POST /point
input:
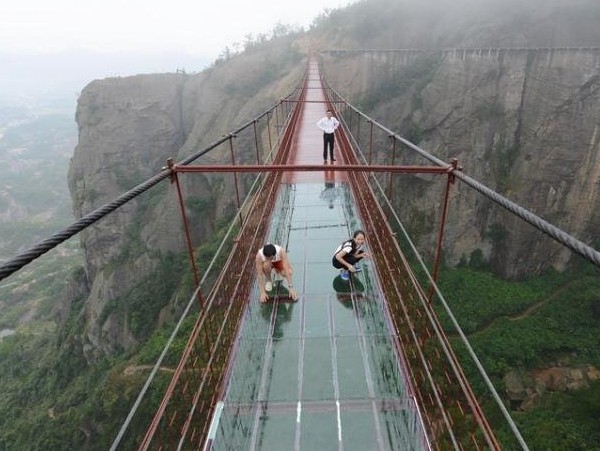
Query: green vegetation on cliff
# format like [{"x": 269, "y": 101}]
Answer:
[{"x": 548, "y": 321}]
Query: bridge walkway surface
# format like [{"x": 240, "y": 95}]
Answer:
[{"x": 322, "y": 372}]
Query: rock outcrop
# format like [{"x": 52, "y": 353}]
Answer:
[{"x": 524, "y": 390}]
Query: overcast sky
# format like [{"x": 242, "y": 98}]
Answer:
[{"x": 201, "y": 27}]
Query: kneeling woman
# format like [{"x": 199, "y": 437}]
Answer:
[{"x": 349, "y": 253}]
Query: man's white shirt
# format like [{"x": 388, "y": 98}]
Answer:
[{"x": 328, "y": 125}]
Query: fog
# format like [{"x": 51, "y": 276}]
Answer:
[{"x": 66, "y": 73}]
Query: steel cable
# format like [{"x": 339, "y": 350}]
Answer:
[{"x": 559, "y": 235}]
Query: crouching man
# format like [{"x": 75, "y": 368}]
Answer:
[{"x": 269, "y": 258}]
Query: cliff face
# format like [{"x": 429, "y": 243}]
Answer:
[
  {"x": 128, "y": 128},
  {"x": 525, "y": 123}
]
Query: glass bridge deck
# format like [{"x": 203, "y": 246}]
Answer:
[{"x": 323, "y": 372}]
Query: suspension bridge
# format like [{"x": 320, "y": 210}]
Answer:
[{"x": 356, "y": 365}]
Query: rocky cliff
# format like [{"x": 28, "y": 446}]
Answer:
[
  {"x": 128, "y": 128},
  {"x": 523, "y": 122},
  {"x": 518, "y": 106}
]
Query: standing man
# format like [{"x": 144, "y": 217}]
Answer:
[
  {"x": 328, "y": 124},
  {"x": 268, "y": 258}
]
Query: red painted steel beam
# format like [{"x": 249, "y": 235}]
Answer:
[{"x": 314, "y": 168}]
